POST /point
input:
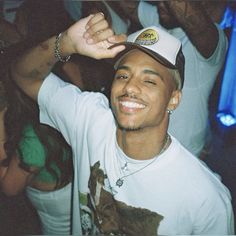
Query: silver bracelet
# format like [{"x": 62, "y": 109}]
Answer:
[{"x": 57, "y": 53}]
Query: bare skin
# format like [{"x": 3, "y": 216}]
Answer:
[
  {"x": 90, "y": 36},
  {"x": 14, "y": 179},
  {"x": 142, "y": 91},
  {"x": 194, "y": 20},
  {"x": 147, "y": 125}
]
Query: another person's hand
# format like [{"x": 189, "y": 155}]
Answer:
[{"x": 91, "y": 36}]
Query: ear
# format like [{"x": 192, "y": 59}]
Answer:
[{"x": 174, "y": 100}]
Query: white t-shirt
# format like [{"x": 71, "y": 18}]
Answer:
[
  {"x": 188, "y": 123},
  {"x": 175, "y": 194}
]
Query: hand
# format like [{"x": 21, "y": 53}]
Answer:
[{"x": 91, "y": 36}]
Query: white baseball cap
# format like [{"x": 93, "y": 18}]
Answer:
[{"x": 158, "y": 44}]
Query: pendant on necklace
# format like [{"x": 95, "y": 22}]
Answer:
[
  {"x": 125, "y": 167},
  {"x": 119, "y": 182}
]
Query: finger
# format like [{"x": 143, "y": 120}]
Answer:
[
  {"x": 95, "y": 19},
  {"x": 117, "y": 38},
  {"x": 110, "y": 53},
  {"x": 100, "y": 36},
  {"x": 96, "y": 28}
]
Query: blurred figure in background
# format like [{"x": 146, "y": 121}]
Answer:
[
  {"x": 78, "y": 9},
  {"x": 17, "y": 215},
  {"x": 31, "y": 180},
  {"x": 36, "y": 159}
]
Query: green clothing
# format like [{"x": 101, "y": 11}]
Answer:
[{"x": 33, "y": 154}]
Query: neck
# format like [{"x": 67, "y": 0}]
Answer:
[{"x": 142, "y": 144}]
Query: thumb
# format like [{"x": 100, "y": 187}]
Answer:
[{"x": 117, "y": 38}]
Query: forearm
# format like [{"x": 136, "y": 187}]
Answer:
[
  {"x": 89, "y": 36},
  {"x": 197, "y": 24},
  {"x": 33, "y": 66},
  {"x": 14, "y": 179}
]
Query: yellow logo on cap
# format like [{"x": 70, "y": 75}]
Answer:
[{"x": 147, "y": 37}]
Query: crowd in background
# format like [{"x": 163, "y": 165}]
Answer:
[{"x": 36, "y": 155}]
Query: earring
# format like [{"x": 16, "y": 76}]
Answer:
[{"x": 169, "y": 111}]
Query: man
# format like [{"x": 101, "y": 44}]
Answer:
[
  {"x": 133, "y": 177},
  {"x": 204, "y": 47}
]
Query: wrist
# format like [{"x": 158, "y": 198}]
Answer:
[{"x": 60, "y": 50}]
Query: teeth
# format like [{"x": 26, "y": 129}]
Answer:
[{"x": 132, "y": 105}]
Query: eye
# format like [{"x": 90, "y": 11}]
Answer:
[
  {"x": 121, "y": 76},
  {"x": 150, "y": 82}
]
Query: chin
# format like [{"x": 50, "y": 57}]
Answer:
[
  {"x": 129, "y": 126},
  {"x": 132, "y": 129}
]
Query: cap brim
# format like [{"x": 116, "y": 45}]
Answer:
[{"x": 129, "y": 46}]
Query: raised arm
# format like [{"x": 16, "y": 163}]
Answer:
[
  {"x": 198, "y": 25},
  {"x": 90, "y": 36}
]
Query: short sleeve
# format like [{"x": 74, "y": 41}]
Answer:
[
  {"x": 58, "y": 104},
  {"x": 31, "y": 150},
  {"x": 66, "y": 108},
  {"x": 215, "y": 216}
]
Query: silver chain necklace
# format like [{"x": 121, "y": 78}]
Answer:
[{"x": 120, "y": 181}]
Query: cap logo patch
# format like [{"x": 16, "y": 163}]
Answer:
[{"x": 147, "y": 37}]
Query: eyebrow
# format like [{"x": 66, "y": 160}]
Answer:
[
  {"x": 148, "y": 71},
  {"x": 122, "y": 67},
  {"x": 145, "y": 71}
]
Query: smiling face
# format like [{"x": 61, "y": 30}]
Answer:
[{"x": 142, "y": 91}]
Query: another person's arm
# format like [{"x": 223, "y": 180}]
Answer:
[
  {"x": 25, "y": 165},
  {"x": 197, "y": 24},
  {"x": 14, "y": 179},
  {"x": 90, "y": 36}
]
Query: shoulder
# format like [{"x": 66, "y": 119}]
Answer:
[
  {"x": 55, "y": 90},
  {"x": 217, "y": 56},
  {"x": 193, "y": 171}
]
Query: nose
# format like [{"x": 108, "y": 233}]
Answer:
[{"x": 132, "y": 86}]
